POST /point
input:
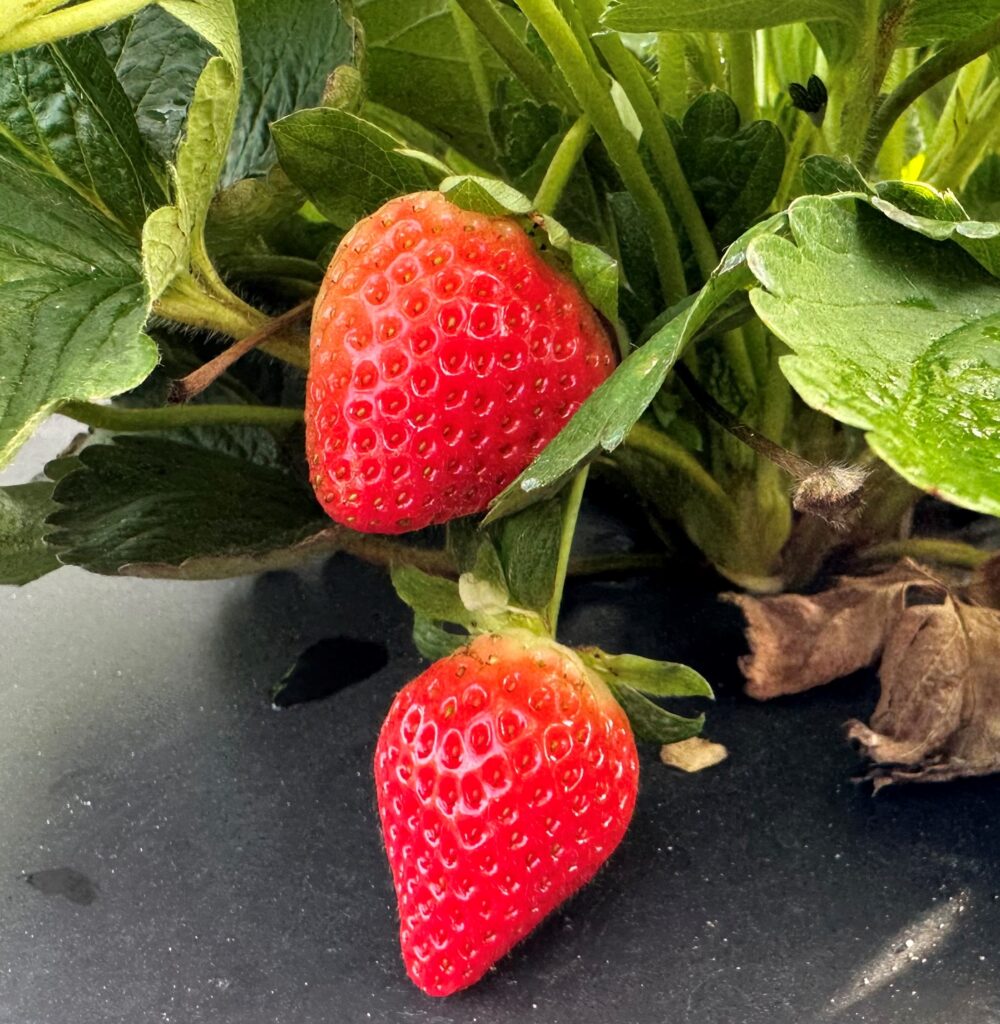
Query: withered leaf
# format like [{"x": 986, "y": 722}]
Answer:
[
  {"x": 801, "y": 641},
  {"x": 938, "y": 716},
  {"x": 984, "y": 587}
]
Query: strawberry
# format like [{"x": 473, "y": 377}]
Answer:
[
  {"x": 445, "y": 354},
  {"x": 506, "y": 775}
]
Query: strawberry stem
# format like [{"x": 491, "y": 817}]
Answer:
[
  {"x": 533, "y": 75},
  {"x": 193, "y": 301},
  {"x": 794, "y": 465},
  {"x": 926, "y": 549},
  {"x": 561, "y": 166},
  {"x": 195, "y": 382},
  {"x": 945, "y": 62},
  {"x": 571, "y": 512},
  {"x": 114, "y": 417},
  {"x": 594, "y": 97},
  {"x": 626, "y": 69},
  {"x": 738, "y": 49}
]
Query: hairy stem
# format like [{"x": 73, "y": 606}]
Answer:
[
  {"x": 187, "y": 302},
  {"x": 671, "y": 76},
  {"x": 561, "y": 166},
  {"x": 467, "y": 38},
  {"x": 945, "y": 62},
  {"x": 739, "y": 55},
  {"x": 195, "y": 382},
  {"x": 943, "y": 552},
  {"x": 595, "y": 100},
  {"x": 511, "y": 49},
  {"x": 803, "y": 132},
  {"x": 796, "y": 466},
  {"x": 69, "y": 21},
  {"x": 867, "y": 72},
  {"x": 571, "y": 512},
  {"x": 624, "y": 66},
  {"x": 172, "y": 417}
]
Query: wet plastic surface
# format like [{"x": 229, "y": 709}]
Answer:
[{"x": 172, "y": 849}]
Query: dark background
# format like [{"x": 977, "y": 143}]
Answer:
[{"x": 172, "y": 849}]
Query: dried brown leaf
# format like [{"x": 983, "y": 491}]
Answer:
[
  {"x": 801, "y": 641},
  {"x": 693, "y": 755},
  {"x": 938, "y": 716},
  {"x": 984, "y": 587}
]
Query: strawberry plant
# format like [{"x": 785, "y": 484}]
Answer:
[{"x": 313, "y": 273}]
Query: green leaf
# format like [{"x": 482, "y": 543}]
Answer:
[
  {"x": 642, "y": 299},
  {"x": 734, "y": 172},
  {"x": 650, "y": 722},
  {"x": 72, "y": 304},
  {"x": 420, "y": 64},
  {"x": 932, "y": 21},
  {"x": 346, "y": 165},
  {"x": 67, "y": 338},
  {"x": 825, "y": 175},
  {"x": 145, "y": 505},
  {"x": 208, "y": 130},
  {"x": 524, "y": 129},
  {"x": 491, "y": 196},
  {"x": 434, "y": 642},
  {"x": 837, "y": 39},
  {"x": 892, "y": 333},
  {"x": 47, "y": 229},
  {"x": 172, "y": 233},
  {"x": 658, "y": 678},
  {"x": 488, "y": 568},
  {"x": 462, "y": 540},
  {"x": 245, "y": 213},
  {"x": 483, "y": 589},
  {"x": 606, "y": 417},
  {"x": 157, "y": 60},
  {"x": 214, "y": 20},
  {"x": 24, "y": 555},
  {"x": 529, "y": 547},
  {"x": 432, "y": 597},
  {"x": 724, "y": 15},
  {"x": 938, "y": 215},
  {"x": 63, "y": 109},
  {"x": 288, "y": 49},
  {"x": 595, "y": 271}
]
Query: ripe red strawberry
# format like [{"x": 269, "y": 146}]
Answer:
[
  {"x": 506, "y": 775},
  {"x": 445, "y": 354}
]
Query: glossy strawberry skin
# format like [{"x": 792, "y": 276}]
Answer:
[
  {"x": 445, "y": 354},
  {"x": 505, "y": 775}
]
